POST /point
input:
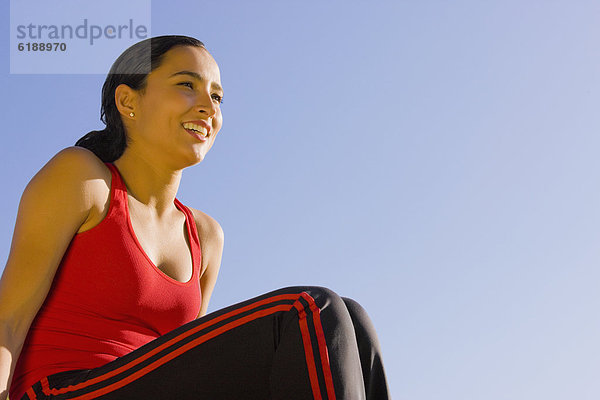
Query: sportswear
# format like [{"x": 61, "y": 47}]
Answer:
[{"x": 107, "y": 298}]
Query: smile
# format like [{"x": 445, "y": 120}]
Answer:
[{"x": 197, "y": 129}]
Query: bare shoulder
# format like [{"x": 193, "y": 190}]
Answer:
[
  {"x": 84, "y": 181},
  {"x": 76, "y": 163},
  {"x": 208, "y": 228},
  {"x": 80, "y": 157}
]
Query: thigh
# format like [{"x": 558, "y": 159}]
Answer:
[{"x": 226, "y": 354}]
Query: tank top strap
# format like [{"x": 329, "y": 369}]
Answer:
[
  {"x": 118, "y": 191},
  {"x": 192, "y": 230}
]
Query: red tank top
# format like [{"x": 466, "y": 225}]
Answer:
[{"x": 107, "y": 298}]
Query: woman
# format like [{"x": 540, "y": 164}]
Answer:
[{"x": 107, "y": 284}]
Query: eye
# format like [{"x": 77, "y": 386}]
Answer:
[
  {"x": 189, "y": 84},
  {"x": 217, "y": 98}
]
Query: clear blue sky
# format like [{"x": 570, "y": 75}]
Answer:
[{"x": 437, "y": 161}]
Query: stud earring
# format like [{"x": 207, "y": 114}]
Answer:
[{"x": 131, "y": 114}]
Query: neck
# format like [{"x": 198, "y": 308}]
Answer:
[{"x": 151, "y": 183}]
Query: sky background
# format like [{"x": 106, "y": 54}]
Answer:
[{"x": 437, "y": 161}]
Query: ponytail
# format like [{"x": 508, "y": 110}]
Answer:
[{"x": 107, "y": 145}]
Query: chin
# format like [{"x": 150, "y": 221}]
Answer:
[
  {"x": 197, "y": 158},
  {"x": 195, "y": 154},
  {"x": 187, "y": 159}
]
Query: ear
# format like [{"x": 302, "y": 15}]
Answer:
[{"x": 126, "y": 99}]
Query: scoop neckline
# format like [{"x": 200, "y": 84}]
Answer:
[{"x": 180, "y": 207}]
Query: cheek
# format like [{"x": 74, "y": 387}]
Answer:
[
  {"x": 167, "y": 101},
  {"x": 218, "y": 122}
]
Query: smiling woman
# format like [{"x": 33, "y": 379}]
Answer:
[{"x": 107, "y": 284}]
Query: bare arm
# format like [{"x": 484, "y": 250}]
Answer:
[
  {"x": 55, "y": 203},
  {"x": 211, "y": 239}
]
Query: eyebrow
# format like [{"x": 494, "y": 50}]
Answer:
[{"x": 195, "y": 75}]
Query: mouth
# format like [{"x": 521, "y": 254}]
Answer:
[{"x": 198, "y": 129}]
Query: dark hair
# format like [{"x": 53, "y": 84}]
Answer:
[{"x": 131, "y": 68}]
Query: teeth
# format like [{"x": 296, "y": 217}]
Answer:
[{"x": 200, "y": 129}]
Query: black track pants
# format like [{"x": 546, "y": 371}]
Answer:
[{"x": 300, "y": 342}]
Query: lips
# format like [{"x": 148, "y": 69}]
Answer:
[
  {"x": 198, "y": 125},
  {"x": 197, "y": 135},
  {"x": 199, "y": 129}
]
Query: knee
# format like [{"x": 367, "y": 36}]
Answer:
[
  {"x": 355, "y": 309},
  {"x": 315, "y": 292},
  {"x": 325, "y": 299},
  {"x": 363, "y": 324}
]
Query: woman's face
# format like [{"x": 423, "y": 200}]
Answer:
[{"x": 178, "y": 115}]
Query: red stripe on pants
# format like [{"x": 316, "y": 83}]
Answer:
[{"x": 309, "y": 354}]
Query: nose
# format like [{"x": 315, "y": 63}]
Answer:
[{"x": 206, "y": 105}]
